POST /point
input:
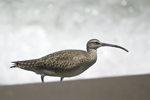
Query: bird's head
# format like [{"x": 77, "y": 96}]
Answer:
[{"x": 95, "y": 44}]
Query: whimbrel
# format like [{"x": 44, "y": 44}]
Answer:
[{"x": 66, "y": 63}]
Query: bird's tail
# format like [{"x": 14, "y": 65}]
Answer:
[
  {"x": 15, "y": 64},
  {"x": 23, "y": 64}
]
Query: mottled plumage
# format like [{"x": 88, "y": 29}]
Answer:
[{"x": 64, "y": 63}]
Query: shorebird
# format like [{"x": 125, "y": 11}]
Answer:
[{"x": 65, "y": 63}]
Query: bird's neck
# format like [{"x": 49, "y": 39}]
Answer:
[{"x": 92, "y": 53}]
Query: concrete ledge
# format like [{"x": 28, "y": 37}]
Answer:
[{"x": 114, "y": 88}]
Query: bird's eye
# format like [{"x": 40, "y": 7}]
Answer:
[{"x": 97, "y": 43}]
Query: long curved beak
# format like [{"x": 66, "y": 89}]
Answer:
[{"x": 112, "y": 45}]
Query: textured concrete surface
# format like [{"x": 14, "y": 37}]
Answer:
[{"x": 113, "y": 88}]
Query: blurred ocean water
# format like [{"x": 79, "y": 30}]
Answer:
[{"x": 31, "y": 29}]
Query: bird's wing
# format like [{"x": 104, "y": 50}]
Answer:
[{"x": 62, "y": 61}]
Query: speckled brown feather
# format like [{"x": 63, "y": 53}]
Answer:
[{"x": 59, "y": 62}]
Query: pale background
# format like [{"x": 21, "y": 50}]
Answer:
[{"x": 31, "y": 29}]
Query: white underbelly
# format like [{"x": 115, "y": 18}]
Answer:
[{"x": 64, "y": 74}]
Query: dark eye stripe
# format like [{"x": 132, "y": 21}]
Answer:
[{"x": 97, "y": 43}]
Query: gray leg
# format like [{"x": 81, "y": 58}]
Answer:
[
  {"x": 42, "y": 78},
  {"x": 61, "y": 79}
]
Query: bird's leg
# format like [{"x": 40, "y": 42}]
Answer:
[
  {"x": 42, "y": 77},
  {"x": 61, "y": 79}
]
